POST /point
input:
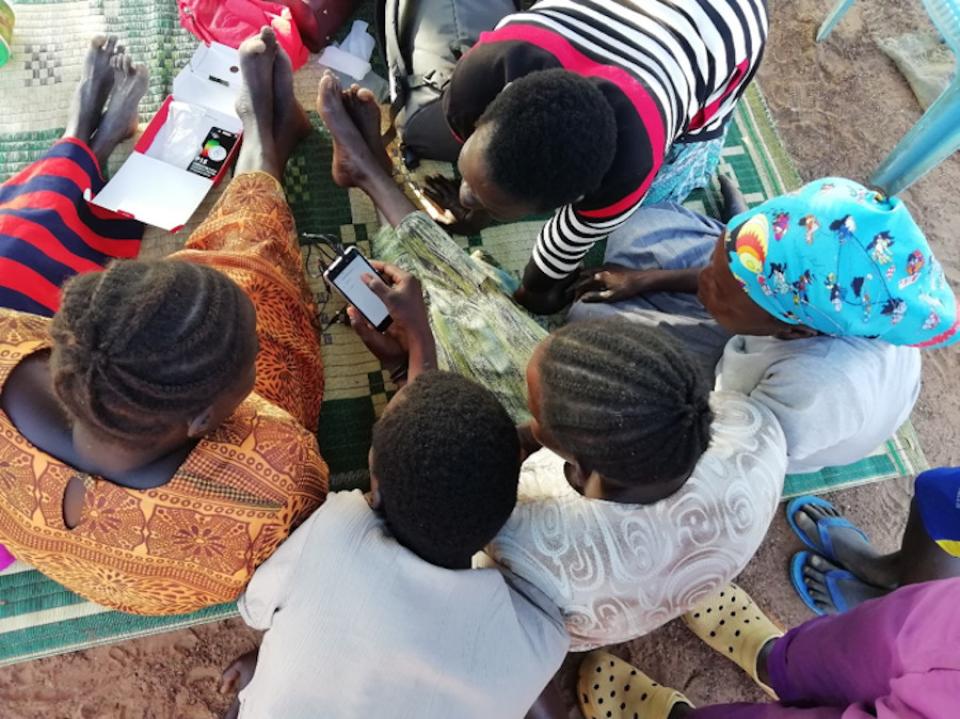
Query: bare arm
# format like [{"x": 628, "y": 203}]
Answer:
[{"x": 613, "y": 283}]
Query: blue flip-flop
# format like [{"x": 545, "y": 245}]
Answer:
[
  {"x": 826, "y": 545},
  {"x": 832, "y": 579}
]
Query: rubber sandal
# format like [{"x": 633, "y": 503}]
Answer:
[
  {"x": 826, "y": 548},
  {"x": 609, "y": 688},
  {"x": 732, "y": 624},
  {"x": 832, "y": 579}
]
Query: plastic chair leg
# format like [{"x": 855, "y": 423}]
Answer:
[
  {"x": 833, "y": 18},
  {"x": 933, "y": 139}
]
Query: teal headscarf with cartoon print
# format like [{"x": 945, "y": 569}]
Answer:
[{"x": 846, "y": 261}]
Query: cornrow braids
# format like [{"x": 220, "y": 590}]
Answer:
[
  {"x": 142, "y": 346},
  {"x": 625, "y": 401}
]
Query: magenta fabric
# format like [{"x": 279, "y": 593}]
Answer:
[
  {"x": 897, "y": 657},
  {"x": 230, "y": 22},
  {"x": 6, "y": 559}
]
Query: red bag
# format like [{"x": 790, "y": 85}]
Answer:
[
  {"x": 318, "y": 20},
  {"x": 230, "y": 22}
]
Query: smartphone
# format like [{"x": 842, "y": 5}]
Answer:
[{"x": 345, "y": 274}]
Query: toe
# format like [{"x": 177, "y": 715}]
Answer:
[
  {"x": 252, "y": 46},
  {"x": 269, "y": 37},
  {"x": 822, "y": 565},
  {"x": 814, "y": 581},
  {"x": 111, "y": 44},
  {"x": 329, "y": 93}
]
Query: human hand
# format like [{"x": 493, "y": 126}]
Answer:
[
  {"x": 445, "y": 193},
  {"x": 612, "y": 283},
  {"x": 409, "y": 334},
  {"x": 549, "y": 300}
]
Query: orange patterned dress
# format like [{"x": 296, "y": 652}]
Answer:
[{"x": 195, "y": 540}]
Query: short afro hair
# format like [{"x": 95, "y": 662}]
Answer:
[
  {"x": 554, "y": 138},
  {"x": 447, "y": 458},
  {"x": 625, "y": 400}
]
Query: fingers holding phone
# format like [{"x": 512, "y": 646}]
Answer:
[
  {"x": 385, "y": 346},
  {"x": 401, "y": 293},
  {"x": 392, "y": 320}
]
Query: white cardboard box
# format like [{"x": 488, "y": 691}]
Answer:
[{"x": 160, "y": 194}]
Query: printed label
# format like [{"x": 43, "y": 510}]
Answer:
[{"x": 215, "y": 151}]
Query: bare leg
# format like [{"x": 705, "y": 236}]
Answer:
[
  {"x": 256, "y": 106},
  {"x": 290, "y": 121},
  {"x": 549, "y": 704},
  {"x": 355, "y": 162},
  {"x": 121, "y": 117},
  {"x": 96, "y": 81},
  {"x": 920, "y": 559}
]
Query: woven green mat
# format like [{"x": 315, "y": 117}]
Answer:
[{"x": 37, "y": 616}]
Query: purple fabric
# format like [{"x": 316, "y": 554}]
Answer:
[
  {"x": 897, "y": 657},
  {"x": 6, "y": 559}
]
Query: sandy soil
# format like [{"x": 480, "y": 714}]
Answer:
[{"x": 840, "y": 107}]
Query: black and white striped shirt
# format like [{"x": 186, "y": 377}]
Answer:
[{"x": 673, "y": 70}]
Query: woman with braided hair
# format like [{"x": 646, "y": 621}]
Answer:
[
  {"x": 157, "y": 439},
  {"x": 649, "y": 492}
]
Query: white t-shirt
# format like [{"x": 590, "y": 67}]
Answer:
[
  {"x": 837, "y": 398},
  {"x": 619, "y": 571},
  {"x": 361, "y": 627}
]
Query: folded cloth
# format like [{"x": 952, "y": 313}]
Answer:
[
  {"x": 318, "y": 20},
  {"x": 230, "y": 22}
]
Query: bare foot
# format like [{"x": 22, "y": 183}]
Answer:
[
  {"x": 290, "y": 121},
  {"x": 256, "y": 104},
  {"x": 96, "y": 81},
  {"x": 362, "y": 106},
  {"x": 842, "y": 594},
  {"x": 121, "y": 117},
  {"x": 353, "y": 161},
  {"x": 850, "y": 549}
]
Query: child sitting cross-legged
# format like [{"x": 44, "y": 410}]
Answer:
[
  {"x": 829, "y": 294},
  {"x": 371, "y": 606},
  {"x": 650, "y": 494}
]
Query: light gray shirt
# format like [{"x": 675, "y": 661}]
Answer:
[
  {"x": 837, "y": 398},
  {"x": 360, "y": 627}
]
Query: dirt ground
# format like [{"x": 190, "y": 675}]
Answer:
[{"x": 840, "y": 108}]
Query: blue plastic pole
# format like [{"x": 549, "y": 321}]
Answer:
[
  {"x": 832, "y": 19},
  {"x": 930, "y": 142}
]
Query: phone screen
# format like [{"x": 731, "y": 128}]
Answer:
[{"x": 346, "y": 276}]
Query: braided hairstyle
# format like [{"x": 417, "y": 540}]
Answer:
[
  {"x": 625, "y": 401},
  {"x": 447, "y": 457},
  {"x": 143, "y": 346}
]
